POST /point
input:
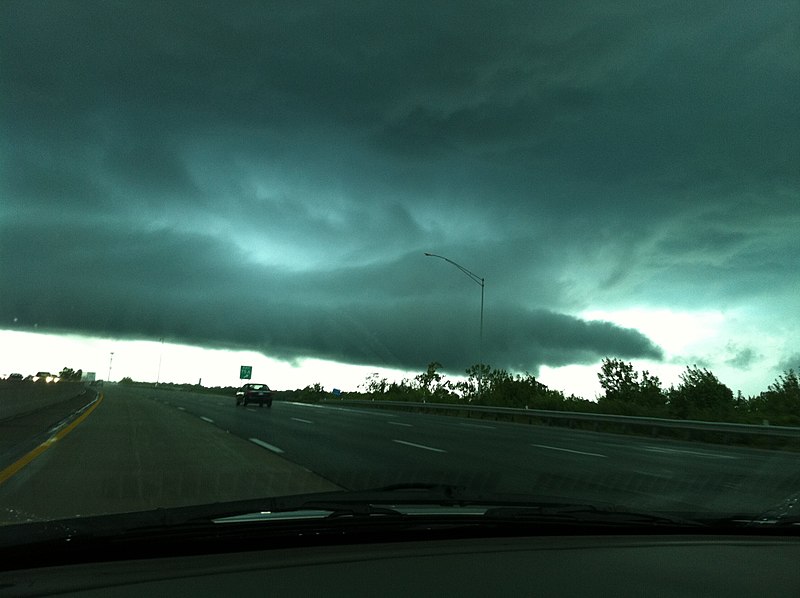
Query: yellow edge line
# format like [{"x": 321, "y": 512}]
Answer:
[{"x": 12, "y": 469}]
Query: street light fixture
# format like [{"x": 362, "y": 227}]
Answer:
[{"x": 480, "y": 281}]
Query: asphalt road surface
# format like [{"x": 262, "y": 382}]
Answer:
[
  {"x": 142, "y": 448},
  {"x": 366, "y": 447},
  {"x": 125, "y": 452}
]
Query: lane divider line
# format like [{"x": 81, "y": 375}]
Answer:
[
  {"x": 15, "y": 467},
  {"x": 481, "y": 426},
  {"x": 400, "y": 424},
  {"x": 206, "y": 419},
  {"x": 266, "y": 445},
  {"x": 420, "y": 446},
  {"x": 334, "y": 408},
  {"x": 556, "y": 448},
  {"x": 666, "y": 450},
  {"x": 304, "y": 421}
]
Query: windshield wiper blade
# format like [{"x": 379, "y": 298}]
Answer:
[
  {"x": 400, "y": 502},
  {"x": 436, "y": 500},
  {"x": 403, "y": 500},
  {"x": 785, "y": 514},
  {"x": 341, "y": 503},
  {"x": 338, "y": 502}
]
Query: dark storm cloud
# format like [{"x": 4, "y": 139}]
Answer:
[
  {"x": 742, "y": 357},
  {"x": 207, "y": 292},
  {"x": 268, "y": 175},
  {"x": 791, "y": 362}
]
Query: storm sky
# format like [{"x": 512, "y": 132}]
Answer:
[{"x": 267, "y": 176}]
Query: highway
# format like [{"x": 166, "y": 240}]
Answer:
[
  {"x": 143, "y": 448},
  {"x": 366, "y": 447}
]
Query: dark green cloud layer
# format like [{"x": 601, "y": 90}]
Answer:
[{"x": 268, "y": 175}]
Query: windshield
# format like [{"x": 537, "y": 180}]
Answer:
[{"x": 546, "y": 250}]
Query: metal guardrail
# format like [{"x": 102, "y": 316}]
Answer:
[{"x": 632, "y": 420}]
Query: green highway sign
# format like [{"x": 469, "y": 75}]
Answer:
[{"x": 245, "y": 372}]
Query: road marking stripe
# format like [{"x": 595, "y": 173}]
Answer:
[
  {"x": 400, "y": 424},
  {"x": 665, "y": 474},
  {"x": 181, "y": 408},
  {"x": 347, "y": 409},
  {"x": 12, "y": 469},
  {"x": 421, "y": 446},
  {"x": 479, "y": 426},
  {"x": 556, "y": 448},
  {"x": 305, "y": 421},
  {"x": 659, "y": 449},
  {"x": 205, "y": 419},
  {"x": 266, "y": 445}
]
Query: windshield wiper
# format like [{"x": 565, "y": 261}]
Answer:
[
  {"x": 453, "y": 502},
  {"x": 784, "y": 515},
  {"x": 336, "y": 503},
  {"x": 587, "y": 515},
  {"x": 391, "y": 513},
  {"x": 401, "y": 501}
]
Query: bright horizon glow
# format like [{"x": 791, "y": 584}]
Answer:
[
  {"x": 151, "y": 361},
  {"x": 687, "y": 339},
  {"x": 712, "y": 339},
  {"x": 675, "y": 332}
]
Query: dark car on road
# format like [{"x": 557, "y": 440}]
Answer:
[{"x": 254, "y": 393}]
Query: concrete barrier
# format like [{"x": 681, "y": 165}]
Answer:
[{"x": 22, "y": 397}]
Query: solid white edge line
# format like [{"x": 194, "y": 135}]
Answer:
[
  {"x": 421, "y": 446},
  {"x": 556, "y": 448},
  {"x": 266, "y": 445}
]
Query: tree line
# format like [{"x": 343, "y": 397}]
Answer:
[{"x": 699, "y": 394}]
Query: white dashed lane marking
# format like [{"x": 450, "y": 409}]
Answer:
[
  {"x": 556, "y": 448},
  {"x": 420, "y": 446},
  {"x": 266, "y": 445},
  {"x": 481, "y": 426},
  {"x": 665, "y": 450}
]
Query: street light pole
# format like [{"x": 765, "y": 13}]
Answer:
[
  {"x": 160, "y": 357},
  {"x": 480, "y": 281},
  {"x": 110, "y": 360}
]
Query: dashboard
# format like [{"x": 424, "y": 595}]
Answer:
[{"x": 531, "y": 566}]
